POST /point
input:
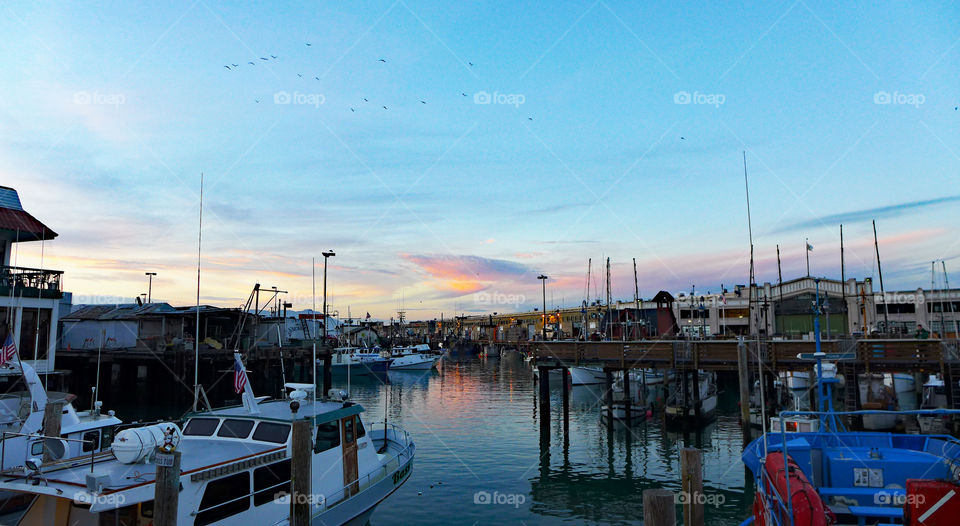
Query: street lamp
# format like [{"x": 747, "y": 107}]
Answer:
[
  {"x": 150, "y": 286},
  {"x": 543, "y": 278},
  {"x": 325, "y": 256}
]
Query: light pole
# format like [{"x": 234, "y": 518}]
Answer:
[
  {"x": 543, "y": 278},
  {"x": 325, "y": 256},
  {"x": 150, "y": 275}
]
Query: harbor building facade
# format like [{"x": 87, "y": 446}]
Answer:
[{"x": 30, "y": 298}]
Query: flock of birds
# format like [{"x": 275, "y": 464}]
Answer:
[{"x": 353, "y": 109}]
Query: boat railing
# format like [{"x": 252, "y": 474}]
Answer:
[
  {"x": 3, "y": 444},
  {"x": 392, "y": 466},
  {"x": 769, "y": 488}
]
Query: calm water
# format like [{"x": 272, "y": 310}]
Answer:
[
  {"x": 476, "y": 427},
  {"x": 477, "y": 430}
]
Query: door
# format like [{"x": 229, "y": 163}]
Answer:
[{"x": 350, "y": 468}]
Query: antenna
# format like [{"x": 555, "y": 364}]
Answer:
[
  {"x": 196, "y": 338},
  {"x": 886, "y": 308},
  {"x": 843, "y": 278}
]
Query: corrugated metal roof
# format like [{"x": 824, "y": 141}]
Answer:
[
  {"x": 27, "y": 226},
  {"x": 126, "y": 311},
  {"x": 9, "y": 198}
]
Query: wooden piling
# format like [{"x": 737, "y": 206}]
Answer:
[
  {"x": 301, "y": 473},
  {"x": 566, "y": 400},
  {"x": 691, "y": 486},
  {"x": 52, "y": 416},
  {"x": 608, "y": 383},
  {"x": 743, "y": 367},
  {"x": 659, "y": 508},
  {"x": 166, "y": 491},
  {"x": 327, "y": 373},
  {"x": 628, "y": 396},
  {"x": 545, "y": 396}
]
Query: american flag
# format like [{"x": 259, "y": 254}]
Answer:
[
  {"x": 9, "y": 350},
  {"x": 239, "y": 375}
]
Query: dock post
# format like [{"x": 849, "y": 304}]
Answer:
[
  {"x": 566, "y": 400},
  {"x": 52, "y": 415},
  {"x": 744, "y": 373},
  {"x": 300, "y": 473},
  {"x": 166, "y": 491},
  {"x": 608, "y": 376},
  {"x": 691, "y": 486},
  {"x": 659, "y": 508},
  {"x": 696, "y": 394},
  {"x": 628, "y": 396},
  {"x": 544, "y": 396}
]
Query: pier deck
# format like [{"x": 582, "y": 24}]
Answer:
[{"x": 721, "y": 355}]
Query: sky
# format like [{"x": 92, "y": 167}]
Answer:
[{"x": 449, "y": 153}]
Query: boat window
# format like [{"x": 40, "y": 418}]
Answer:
[
  {"x": 233, "y": 428},
  {"x": 328, "y": 437},
  {"x": 271, "y": 482},
  {"x": 348, "y": 430},
  {"x": 91, "y": 441},
  {"x": 270, "y": 432},
  {"x": 360, "y": 431},
  {"x": 202, "y": 427},
  {"x": 36, "y": 448},
  {"x": 146, "y": 509},
  {"x": 223, "y": 498}
]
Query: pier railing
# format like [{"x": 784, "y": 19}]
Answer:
[
  {"x": 30, "y": 282},
  {"x": 870, "y": 354}
]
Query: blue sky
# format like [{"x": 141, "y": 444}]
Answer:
[{"x": 613, "y": 130}]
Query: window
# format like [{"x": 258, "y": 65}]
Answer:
[
  {"x": 271, "y": 482},
  {"x": 360, "y": 431},
  {"x": 270, "y": 432},
  {"x": 203, "y": 427},
  {"x": 91, "y": 441},
  {"x": 146, "y": 509},
  {"x": 233, "y": 428},
  {"x": 223, "y": 498},
  {"x": 36, "y": 448},
  {"x": 348, "y": 430},
  {"x": 328, "y": 437}
]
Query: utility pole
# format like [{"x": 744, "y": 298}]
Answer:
[
  {"x": 543, "y": 278},
  {"x": 326, "y": 255}
]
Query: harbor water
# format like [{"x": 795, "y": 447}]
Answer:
[{"x": 481, "y": 458}]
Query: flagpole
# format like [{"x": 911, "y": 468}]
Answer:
[
  {"x": 196, "y": 337},
  {"x": 806, "y": 249}
]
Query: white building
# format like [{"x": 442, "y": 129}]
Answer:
[{"x": 29, "y": 297}]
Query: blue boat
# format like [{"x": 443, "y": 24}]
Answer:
[{"x": 810, "y": 470}]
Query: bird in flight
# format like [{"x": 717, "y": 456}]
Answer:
[
  {"x": 299, "y": 75},
  {"x": 464, "y": 94},
  {"x": 308, "y": 44},
  {"x": 384, "y": 107},
  {"x": 353, "y": 110},
  {"x": 257, "y": 101},
  {"x": 262, "y": 58},
  {"x": 228, "y": 67},
  {"x": 529, "y": 118},
  {"x": 365, "y": 100},
  {"x": 251, "y": 63},
  {"x": 470, "y": 63},
  {"x": 383, "y": 60},
  {"x": 234, "y": 65},
  {"x": 273, "y": 56},
  {"x": 683, "y": 138},
  {"x": 423, "y": 102},
  {"x": 316, "y": 78}
]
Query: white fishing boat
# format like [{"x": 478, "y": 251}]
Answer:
[
  {"x": 876, "y": 395},
  {"x": 415, "y": 358},
  {"x": 681, "y": 407},
  {"x": 235, "y": 468},
  {"x": 356, "y": 360},
  {"x": 22, "y": 416}
]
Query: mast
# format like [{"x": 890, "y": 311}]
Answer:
[
  {"x": 609, "y": 328},
  {"x": 843, "y": 279},
  {"x": 746, "y": 185},
  {"x": 886, "y": 307},
  {"x": 636, "y": 294},
  {"x": 946, "y": 281},
  {"x": 943, "y": 323},
  {"x": 779, "y": 275},
  {"x": 196, "y": 338}
]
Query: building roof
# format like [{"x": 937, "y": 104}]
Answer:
[
  {"x": 125, "y": 311},
  {"x": 15, "y": 219}
]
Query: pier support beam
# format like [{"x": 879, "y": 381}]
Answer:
[
  {"x": 659, "y": 508},
  {"x": 301, "y": 473},
  {"x": 691, "y": 484},
  {"x": 166, "y": 492},
  {"x": 544, "y": 397},
  {"x": 628, "y": 396},
  {"x": 565, "y": 382},
  {"x": 743, "y": 368},
  {"x": 608, "y": 383}
]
